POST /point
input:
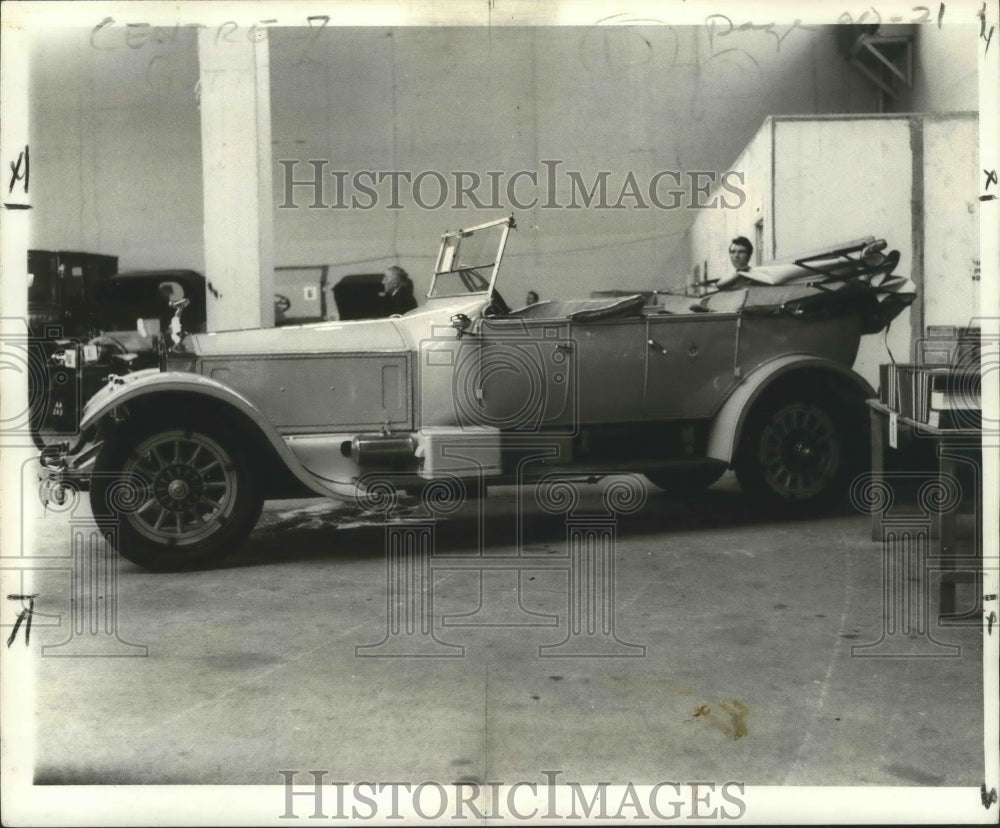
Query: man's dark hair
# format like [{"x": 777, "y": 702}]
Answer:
[{"x": 743, "y": 241}]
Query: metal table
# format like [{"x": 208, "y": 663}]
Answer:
[{"x": 955, "y": 453}]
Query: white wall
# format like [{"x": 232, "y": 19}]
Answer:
[
  {"x": 115, "y": 136},
  {"x": 951, "y": 220},
  {"x": 712, "y": 231},
  {"x": 945, "y": 70},
  {"x": 842, "y": 179},
  {"x": 612, "y": 99},
  {"x": 116, "y": 147}
]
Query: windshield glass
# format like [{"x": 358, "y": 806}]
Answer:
[{"x": 469, "y": 260}]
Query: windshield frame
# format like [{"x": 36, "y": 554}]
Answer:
[{"x": 448, "y": 241}]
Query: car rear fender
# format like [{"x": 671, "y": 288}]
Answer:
[
  {"x": 727, "y": 426},
  {"x": 160, "y": 390}
]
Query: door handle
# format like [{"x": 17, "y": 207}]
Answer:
[
  {"x": 565, "y": 348},
  {"x": 654, "y": 344}
]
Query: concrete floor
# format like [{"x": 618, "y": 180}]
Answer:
[{"x": 747, "y": 672}]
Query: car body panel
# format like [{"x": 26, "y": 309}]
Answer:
[
  {"x": 760, "y": 338},
  {"x": 691, "y": 364},
  {"x": 438, "y": 358},
  {"x": 322, "y": 377},
  {"x": 312, "y": 393},
  {"x": 517, "y": 375},
  {"x": 609, "y": 358}
]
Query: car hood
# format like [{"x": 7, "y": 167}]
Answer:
[{"x": 328, "y": 337}]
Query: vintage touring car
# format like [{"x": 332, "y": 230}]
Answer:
[{"x": 469, "y": 391}]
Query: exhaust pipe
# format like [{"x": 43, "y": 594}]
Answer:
[{"x": 382, "y": 449}]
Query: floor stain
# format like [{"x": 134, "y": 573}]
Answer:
[{"x": 731, "y": 718}]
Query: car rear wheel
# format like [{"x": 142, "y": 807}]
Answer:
[
  {"x": 179, "y": 495},
  {"x": 795, "y": 453}
]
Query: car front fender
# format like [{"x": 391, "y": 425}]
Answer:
[
  {"x": 727, "y": 426},
  {"x": 148, "y": 385}
]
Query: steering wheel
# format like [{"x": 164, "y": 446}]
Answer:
[{"x": 497, "y": 306}]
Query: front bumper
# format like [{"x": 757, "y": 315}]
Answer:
[{"x": 60, "y": 472}]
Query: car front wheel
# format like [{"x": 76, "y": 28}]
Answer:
[
  {"x": 179, "y": 496},
  {"x": 794, "y": 453}
]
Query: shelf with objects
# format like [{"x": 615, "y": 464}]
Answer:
[{"x": 926, "y": 445}]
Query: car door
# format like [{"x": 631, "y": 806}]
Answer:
[
  {"x": 541, "y": 375},
  {"x": 610, "y": 358},
  {"x": 690, "y": 364},
  {"x": 518, "y": 375}
]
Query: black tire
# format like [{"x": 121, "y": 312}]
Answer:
[
  {"x": 178, "y": 494},
  {"x": 687, "y": 482},
  {"x": 800, "y": 451}
]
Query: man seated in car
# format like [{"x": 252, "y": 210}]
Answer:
[
  {"x": 740, "y": 251},
  {"x": 397, "y": 292}
]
